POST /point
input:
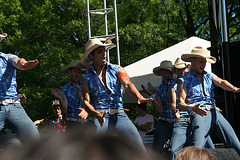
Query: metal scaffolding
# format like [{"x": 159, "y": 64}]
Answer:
[{"x": 107, "y": 36}]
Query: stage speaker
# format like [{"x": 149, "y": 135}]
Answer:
[{"x": 224, "y": 153}]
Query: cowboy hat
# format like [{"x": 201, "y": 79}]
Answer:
[
  {"x": 167, "y": 65},
  {"x": 55, "y": 103},
  {"x": 199, "y": 52},
  {"x": 73, "y": 64},
  {"x": 91, "y": 45},
  {"x": 2, "y": 36},
  {"x": 179, "y": 64}
]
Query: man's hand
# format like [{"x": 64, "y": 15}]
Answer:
[
  {"x": 236, "y": 90},
  {"x": 83, "y": 114},
  {"x": 197, "y": 109},
  {"x": 101, "y": 118},
  {"x": 29, "y": 64},
  {"x": 143, "y": 100},
  {"x": 177, "y": 113}
]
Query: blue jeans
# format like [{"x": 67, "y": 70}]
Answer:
[
  {"x": 216, "y": 123},
  {"x": 162, "y": 133},
  {"x": 122, "y": 123},
  {"x": 18, "y": 118},
  {"x": 181, "y": 137}
]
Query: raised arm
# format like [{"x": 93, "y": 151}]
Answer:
[
  {"x": 130, "y": 87},
  {"x": 90, "y": 109},
  {"x": 182, "y": 94},
  {"x": 58, "y": 93},
  {"x": 21, "y": 63},
  {"x": 224, "y": 84}
]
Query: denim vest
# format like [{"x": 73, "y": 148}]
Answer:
[
  {"x": 194, "y": 88},
  {"x": 8, "y": 84},
  {"x": 162, "y": 91},
  {"x": 73, "y": 101},
  {"x": 183, "y": 114},
  {"x": 100, "y": 96}
]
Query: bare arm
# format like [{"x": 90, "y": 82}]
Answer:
[
  {"x": 144, "y": 127},
  {"x": 182, "y": 94},
  {"x": 130, "y": 87},
  {"x": 224, "y": 84},
  {"x": 88, "y": 106},
  {"x": 83, "y": 114},
  {"x": 22, "y": 64},
  {"x": 173, "y": 100},
  {"x": 58, "y": 93}
]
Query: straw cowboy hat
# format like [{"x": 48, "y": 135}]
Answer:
[
  {"x": 199, "y": 52},
  {"x": 2, "y": 36},
  {"x": 179, "y": 64},
  {"x": 73, "y": 64},
  {"x": 167, "y": 65},
  {"x": 91, "y": 45}
]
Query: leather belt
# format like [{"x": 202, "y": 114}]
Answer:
[
  {"x": 110, "y": 110},
  {"x": 79, "y": 119},
  {"x": 171, "y": 120},
  {"x": 8, "y": 101}
]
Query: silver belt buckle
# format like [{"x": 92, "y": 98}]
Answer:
[
  {"x": 111, "y": 111},
  {"x": 6, "y": 101},
  {"x": 208, "y": 107}
]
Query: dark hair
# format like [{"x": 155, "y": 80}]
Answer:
[{"x": 143, "y": 106}]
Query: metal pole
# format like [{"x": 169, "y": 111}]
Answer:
[
  {"x": 116, "y": 30},
  {"x": 226, "y": 60},
  {"x": 106, "y": 26},
  {"x": 88, "y": 16}
]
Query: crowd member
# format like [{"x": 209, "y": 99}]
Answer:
[
  {"x": 164, "y": 125},
  {"x": 182, "y": 129},
  {"x": 56, "y": 123},
  {"x": 11, "y": 108},
  {"x": 144, "y": 122},
  {"x": 194, "y": 153},
  {"x": 102, "y": 87},
  {"x": 70, "y": 96},
  {"x": 196, "y": 93}
]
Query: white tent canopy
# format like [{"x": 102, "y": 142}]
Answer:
[{"x": 140, "y": 72}]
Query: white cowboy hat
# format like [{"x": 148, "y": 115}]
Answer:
[
  {"x": 180, "y": 64},
  {"x": 167, "y": 65},
  {"x": 73, "y": 64},
  {"x": 199, "y": 52},
  {"x": 91, "y": 45},
  {"x": 2, "y": 36}
]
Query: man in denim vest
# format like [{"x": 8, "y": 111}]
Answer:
[
  {"x": 196, "y": 94},
  {"x": 11, "y": 110},
  {"x": 102, "y": 88}
]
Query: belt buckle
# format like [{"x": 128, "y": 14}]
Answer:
[
  {"x": 6, "y": 101},
  {"x": 111, "y": 111},
  {"x": 208, "y": 107}
]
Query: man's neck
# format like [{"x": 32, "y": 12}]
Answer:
[{"x": 99, "y": 69}]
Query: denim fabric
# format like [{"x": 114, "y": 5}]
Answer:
[
  {"x": 8, "y": 84},
  {"x": 16, "y": 115},
  {"x": 162, "y": 91},
  {"x": 215, "y": 122},
  {"x": 122, "y": 123},
  {"x": 194, "y": 88},
  {"x": 73, "y": 101},
  {"x": 101, "y": 96},
  {"x": 162, "y": 133},
  {"x": 181, "y": 137}
]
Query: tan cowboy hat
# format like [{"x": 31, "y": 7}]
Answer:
[
  {"x": 2, "y": 36},
  {"x": 199, "y": 52},
  {"x": 167, "y": 65},
  {"x": 73, "y": 64},
  {"x": 91, "y": 45},
  {"x": 180, "y": 64}
]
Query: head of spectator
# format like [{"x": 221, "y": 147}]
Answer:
[
  {"x": 74, "y": 70},
  {"x": 56, "y": 108},
  {"x": 95, "y": 52},
  {"x": 198, "y": 58},
  {"x": 194, "y": 153},
  {"x": 164, "y": 70},
  {"x": 142, "y": 109},
  {"x": 180, "y": 67}
]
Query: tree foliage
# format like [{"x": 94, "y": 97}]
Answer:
[{"x": 55, "y": 32}]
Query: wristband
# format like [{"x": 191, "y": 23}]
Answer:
[
  {"x": 153, "y": 97},
  {"x": 190, "y": 106}
]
